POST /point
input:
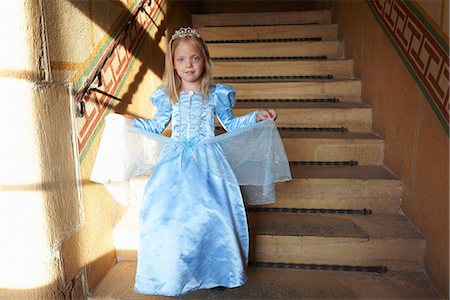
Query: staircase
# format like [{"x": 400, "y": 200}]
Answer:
[{"x": 336, "y": 230}]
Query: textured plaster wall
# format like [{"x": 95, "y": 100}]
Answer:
[
  {"x": 57, "y": 224},
  {"x": 40, "y": 204},
  {"x": 416, "y": 144},
  {"x": 81, "y": 34}
]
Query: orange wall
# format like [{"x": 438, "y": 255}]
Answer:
[{"x": 417, "y": 146}]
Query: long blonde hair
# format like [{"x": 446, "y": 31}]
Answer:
[{"x": 171, "y": 80}]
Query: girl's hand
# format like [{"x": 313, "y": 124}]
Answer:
[
  {"x": 266, "y": 114},
  {"x": 118, "y": 119}
]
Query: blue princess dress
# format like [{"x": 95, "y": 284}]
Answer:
[{"x": 193, "y": 228}]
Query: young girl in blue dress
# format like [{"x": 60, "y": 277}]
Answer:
[{"x": 193, "y": 227}]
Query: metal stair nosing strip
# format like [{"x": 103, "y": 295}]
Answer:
[
  {"x": 261, "y": 25},
  {"x": 372, "y": 269},
  {"x": 363, "y": 211},
  {"x": 273, "y": 40},
  {"x": 351, "y": 163},
  {"x": 273, "y": 78},
  {"x": 270, "y": 58},
  {"x": 304, "y": 100},
  {"x": 332, "y": 129}
]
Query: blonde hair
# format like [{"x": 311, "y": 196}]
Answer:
[{"x": 171, "y": 80}]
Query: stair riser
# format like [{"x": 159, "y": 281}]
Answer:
[
  {"x": 365, "y": 152},
  {"x": 357, "y": 120},
  {"x": 395, "y": 254},
  {"x": 234, "y": 19},
  {"x": 345, "y": 91},
  {"x": 331, "y": 49},
  {"x": 381, "y": 196},
  {"x": 339, "y": 69},
  {"x": 326, "y": 32}
]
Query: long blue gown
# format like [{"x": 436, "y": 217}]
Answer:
[{"x": 193, "y": 227}]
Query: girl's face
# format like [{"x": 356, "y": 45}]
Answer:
[{"x": 189, "y": 63}]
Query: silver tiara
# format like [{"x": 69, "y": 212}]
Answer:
[{"x": 185, "y": 32}]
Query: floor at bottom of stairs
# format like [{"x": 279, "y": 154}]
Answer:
[{"x": 286, "y": 284}]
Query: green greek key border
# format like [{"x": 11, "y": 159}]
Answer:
[
  {"x": 122, "y": 81},
  {"x": 439, "y": 39}
]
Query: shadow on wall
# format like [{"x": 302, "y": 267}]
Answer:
[
  {"x": 157, "y": 54},
  {"x": 152, "y": 59}
]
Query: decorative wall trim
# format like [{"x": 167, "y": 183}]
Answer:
[
  {"x": 114, "y": 74},
  {"x": 422, "y": 49}
]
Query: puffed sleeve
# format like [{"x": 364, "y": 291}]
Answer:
[
  {"x": 225, "y": 99},
  {"x": 162, "y": 116}
]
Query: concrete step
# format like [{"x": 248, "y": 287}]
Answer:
[
  {"x": 354, "y": 116},
  {"x": 365, "y": 148},
  {"x": 324, "y": 187},
  {"x": 330, "y": 49},
  {"x": 265, "y": 18},
  {"x": 354, "y": 240},
  {"x": 339, "y": 69},
  {"x": 327, "y": 32},
  {"x": 268, "y": 283},
  {"x": 344, "y": 90},
  {"x": 341, "y": 187}
]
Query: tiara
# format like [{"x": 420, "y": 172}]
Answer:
[{"x": 185, "y": 32}]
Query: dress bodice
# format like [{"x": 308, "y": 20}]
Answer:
[{"x": 193, "y": 117}]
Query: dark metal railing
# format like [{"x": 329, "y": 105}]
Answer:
[{"x": 89, "y": 85}]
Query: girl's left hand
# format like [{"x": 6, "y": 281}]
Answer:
[{"x": 266, "y": 114}]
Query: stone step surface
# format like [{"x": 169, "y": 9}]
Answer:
[
  {"x": 344, "y": 90},
  {"x": 330, "y": 49},
  {"x": 334, "y": 239},
  {"x": 341, "y": 187},
  {"x": 339, "y": 69},
  {"x": 268, "y": 283},
  {"x": 265, "y": 18},
  {"x": 304, "y": 146},
  {"x": 326, "y": 32},
  {"x": 355, "y": 240},
  {"x": 354, "y": 116}
]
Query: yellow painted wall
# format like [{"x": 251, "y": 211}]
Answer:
[
  {"x": 40, "y": 204},
  {"x": 57, "y": 225},
  {"x": 80, "y": 33},
  {"x": 417, "y": 146}
]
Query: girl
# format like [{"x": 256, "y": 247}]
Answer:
[{"x": 193, "y": 227}]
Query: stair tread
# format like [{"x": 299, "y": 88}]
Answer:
[
  {"x": 281, "y": 64},
  {"x": 236, "y": 32},
  {"x": 331, "y": 49},
  {"x": 260, "y": 14},
  {"x": 288, "y": 134},
  {"x": 269, "y": 283},
  {"x": 346, "y": 90},
  {"x": 326, "y": 225},
  {"x": 304, "y": 105},
  {"x": 270, "y": 28},
  {"x": 262, "y": 18},
  {"x": 342, "y": 172}
]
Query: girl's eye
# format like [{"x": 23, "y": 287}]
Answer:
[
  {"x": 196, "y": 57},
  {"x": 179, "y": 59}
]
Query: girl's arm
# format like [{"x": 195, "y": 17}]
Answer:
[
  {"x": 225, "y": 101},
  {"x": 156, "y": 125},
  {"x": 162, "y": 116}
]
